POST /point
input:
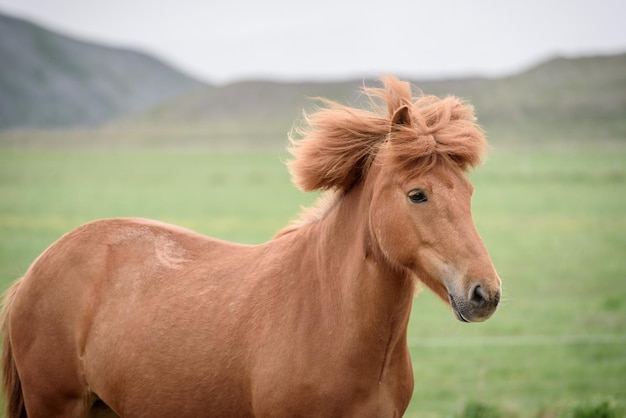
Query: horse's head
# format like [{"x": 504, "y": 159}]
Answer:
[
  {"x": 420, "y": 211},
  {"x": 413, "y": 162}
]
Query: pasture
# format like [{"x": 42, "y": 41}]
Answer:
[{"x": 554, "y": 222}]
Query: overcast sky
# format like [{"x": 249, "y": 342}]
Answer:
[{"x": 225, "y": 40}]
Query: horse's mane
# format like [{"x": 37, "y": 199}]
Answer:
[{"x": 338, "y": 143}]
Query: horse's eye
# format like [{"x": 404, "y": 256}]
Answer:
[{"x": 417, "y": 196}]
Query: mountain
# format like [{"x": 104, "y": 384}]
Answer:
[
  {"x": 570, "y": 99},
  {"x": 48, "y": 80},
  {"x": 51, "y": 80},
  {"x": 560, "y": 100}
]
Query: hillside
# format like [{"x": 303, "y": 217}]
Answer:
[
  {"x": 566, "y": 99},
  {"x": 50, "y": 80},
  {"x": 560, "y": 100}
]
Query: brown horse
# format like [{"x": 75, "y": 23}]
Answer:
[{"x": 136, "y": 318}]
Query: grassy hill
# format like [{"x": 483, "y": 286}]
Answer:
[
  {"x": 50, "y": 80},
  {"x": 563, "y": 100},
  {"x": 580, "y": 100}
]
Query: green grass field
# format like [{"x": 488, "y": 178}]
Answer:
[{"x": 554, "y": 222}]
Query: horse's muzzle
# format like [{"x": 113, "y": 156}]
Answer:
[{"x": 477, "y": 306}]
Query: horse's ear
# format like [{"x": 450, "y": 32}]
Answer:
[{"x": 401, "y": 117}]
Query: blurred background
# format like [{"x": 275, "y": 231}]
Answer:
[{"x": 180, "y": 111}]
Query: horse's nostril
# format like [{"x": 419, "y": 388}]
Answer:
[{"x": 478, "y": 296}]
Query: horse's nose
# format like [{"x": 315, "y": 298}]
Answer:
[{"x": 479, "y": 297}]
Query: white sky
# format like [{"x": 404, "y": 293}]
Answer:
[{"x": 225, "y": 40}]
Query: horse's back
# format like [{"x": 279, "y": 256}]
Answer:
[{"x": 105, "y": 256}]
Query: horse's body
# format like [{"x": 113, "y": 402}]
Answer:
[{"x": 149, "y": 319}]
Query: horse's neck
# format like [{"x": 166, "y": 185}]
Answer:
[{"x": 368, "y": 291}]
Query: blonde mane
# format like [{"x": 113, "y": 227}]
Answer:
[{"x": 338, "y": 144}]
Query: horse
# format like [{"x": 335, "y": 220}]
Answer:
[{"x": 137, "y": 318}]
